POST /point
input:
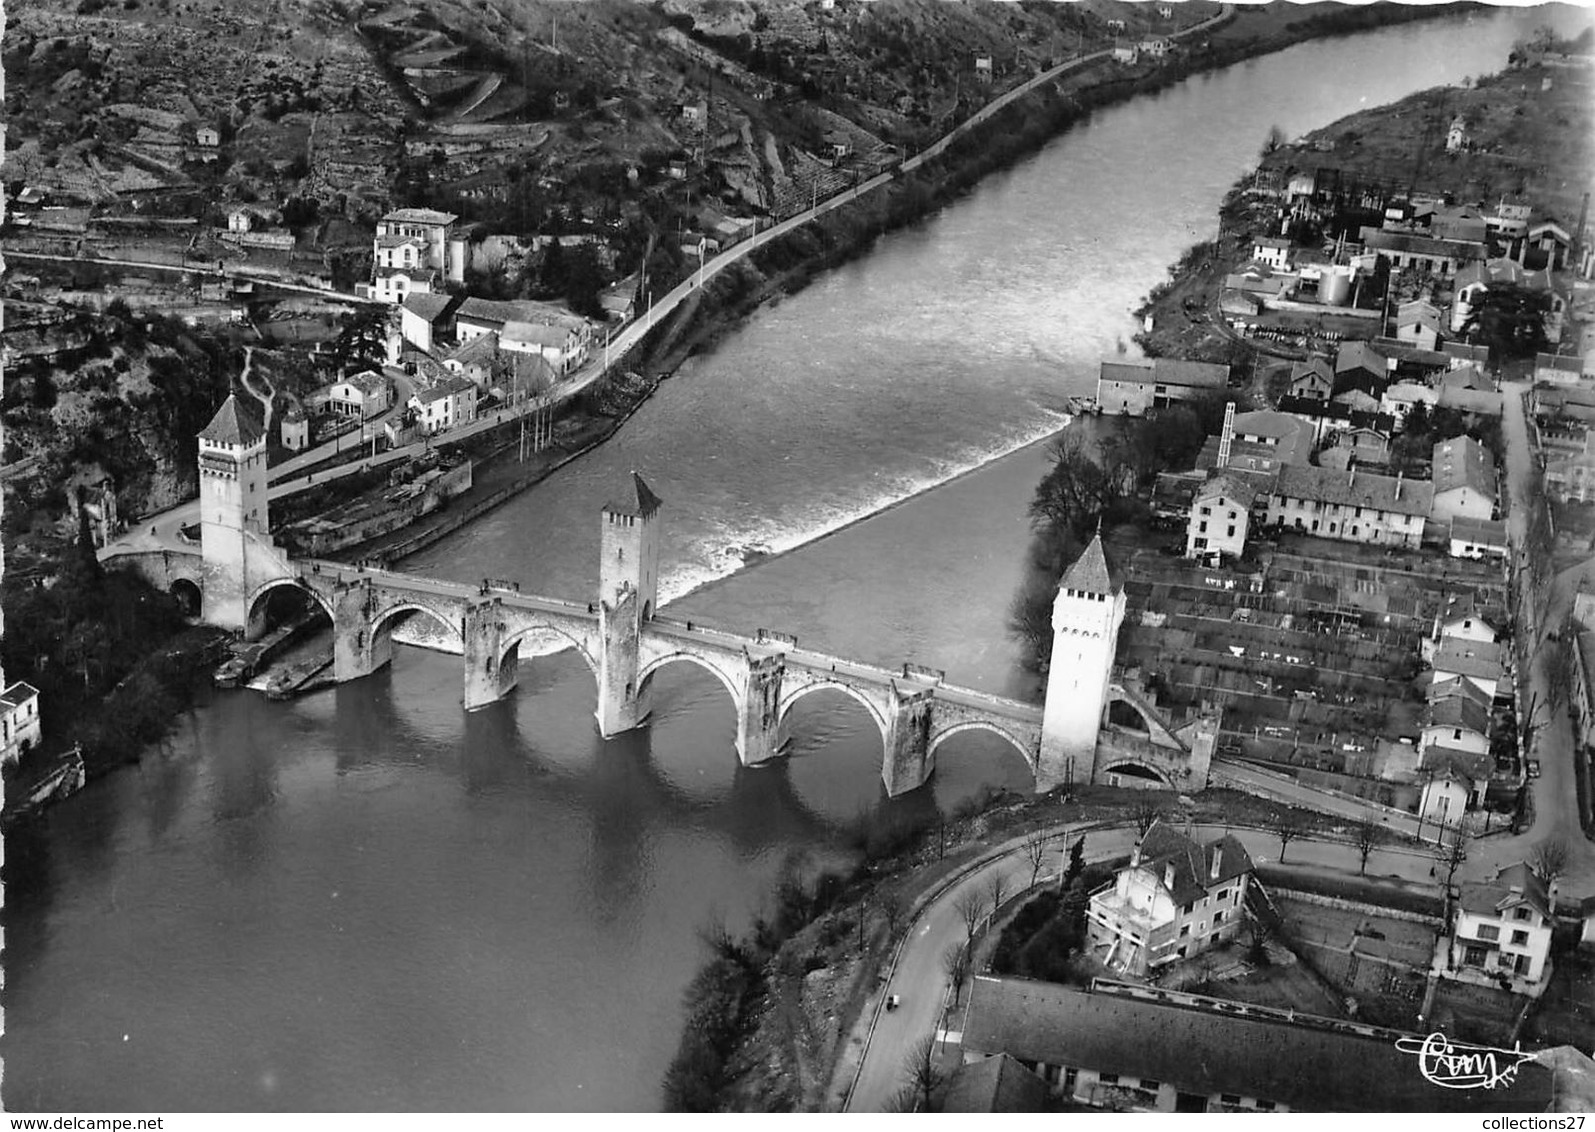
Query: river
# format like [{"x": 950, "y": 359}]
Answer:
[{"x": 368, "y": 899}]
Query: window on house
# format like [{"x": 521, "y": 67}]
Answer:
[
  {"x": 1519, "y": 938},
  {"x": 1229, "y": 1098},
  {"x": 1456, "y": 733},
  {"x": 1218, "y": 918},
  {"x": 1474, "y": 956},
  {"x": 1489, "y": 931},
  {"x": 1232, "y": 531},
  {"x": 1202, "y": 526},
  {"x": 1521, "y": 914},
  {"x": 1108, "y": 1078},
  {"x": 1184, "y": 931},
  {"x": 1150, "y": 1085},
  {"x": 1265, "y": 1106},
  {"x": 1185, "y": 910}
]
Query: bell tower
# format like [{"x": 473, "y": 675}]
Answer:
[
  {"x": 232, "y": 502},
  {"x": 628, "y": 588},
  {"x": 1086, "y": 616}
]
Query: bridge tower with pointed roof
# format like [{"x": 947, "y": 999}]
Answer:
[
  {"x": 233, "y": 510},
  {"x": 1086, "y": 616},
  {"x": 628, "y": 590}
]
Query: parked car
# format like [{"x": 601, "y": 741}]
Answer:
[{"x": 1534, "y": 768}]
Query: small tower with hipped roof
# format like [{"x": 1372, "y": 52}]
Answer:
[{"x": 1086, "y": 616}]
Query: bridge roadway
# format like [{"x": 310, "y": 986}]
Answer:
[{"x": 682, "y": 631}]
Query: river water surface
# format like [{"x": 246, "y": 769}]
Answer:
[{"x": 368, "y": 899}]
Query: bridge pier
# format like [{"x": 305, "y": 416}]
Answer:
[
  {"x": 908, "y": 728},
  {"x": 358, "y": 649},
  {"x": 489, "y": 672},
  {"x": 759, "y": 723},
  {"x": 622, "y": 705}
]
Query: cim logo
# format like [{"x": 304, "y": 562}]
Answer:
[{"x": 1464, "y": 1067}]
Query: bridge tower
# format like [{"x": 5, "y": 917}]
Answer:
[
  {"x": 232, "y": 501},
  {"x": 628, "y": 588},
  {"x": 1086, "y": 616}
]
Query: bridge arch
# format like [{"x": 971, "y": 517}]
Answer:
[
  {"x": 189, "y": 594},
  {"x": 387, "y": 615},
  {"x": 647, "y": 671},
  {"x": 789, "y": 699},
  {"x": 981, "y": 725},
  {"x": 1139, "y": 773},
  {"x": 514, "y": 639},
  {"x": 263, "y": 591}
]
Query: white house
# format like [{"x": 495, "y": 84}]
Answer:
[
  {"x": 1419, "y": 322},
  {"x": 1500, "y": 934},
  {"x": 295, "y": 431},
  {"x": 1352, "y": 506},
  {"x": 1175, "y": 899},
  {"x": 450, "y": 402},
  {"x": 415, "y": 249},
  {"x": 1401, "y": 397},
  {"x": 1461, "y": 619},
  {"x": 424, "y": 318},
  {"x": 1124, "y": 53},
  {"x": 1464, "y": 480},
  {"x": 563, "y": 344},
  {"x": 1219, "y": 515},
  {"x": 1457, "y": 136},
  {"x": 1272, "y": 250},
  {"x": 1476, "y": 661},
  {"x": 19, "y": 719},
  {"x": 362, "y": 396},
  {"x": 1478, "y": 538},
  {"x": 207, "y": 137}
]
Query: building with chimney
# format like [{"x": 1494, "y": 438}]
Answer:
[
  {"x": 1175, "y": 899},
  {"x": 1352, "y": 505}
]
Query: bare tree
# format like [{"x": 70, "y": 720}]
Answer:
[
  {"x": 1549, "y": 860},
  {"x": 955, "y": 962},
  {"x": 971, "y": 908},
  {"x": 1287, "y": 825},
  {"x": 997, "y": 888},
  {"x": 893, "y": 908},
  {"x": 1144, "y": 813},
  {"x": 1367, "y": 837},
  {"x": 924, "y": 1075},
  {"x": 1452, "y": 856},
  {"x": 1036, "y": 854}
]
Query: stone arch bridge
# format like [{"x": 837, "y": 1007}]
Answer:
[{"x": 624, "y": 643}]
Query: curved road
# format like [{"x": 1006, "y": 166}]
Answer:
[{"x": 918, "y": 976}]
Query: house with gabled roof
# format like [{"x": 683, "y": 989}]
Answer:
[
  {"x": 1478, "y": 661},
  {"x": 1359, "y": 366},
  {"x": 20, "y": 729},
  {"x": 425, "y": 318},
  {"x": 1461, "y": 618},
  {"x": 1571, "y": 477},
  {"x": 1500, "y": 933},
  {"x": 1352, "y": 505},
  {"x": 1176, "y": 898},
  {"x": 1219, "y": 516},
  {"x": 1130, "y": 388},
  {"x": 1419, "y": 322},
  {"x": 1463, "y": 471},
  {"x": 1313, "y": 379}
]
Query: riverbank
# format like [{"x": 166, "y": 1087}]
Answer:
[{"x": 786, "y": 265}]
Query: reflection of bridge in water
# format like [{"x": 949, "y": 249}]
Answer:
[{"x": 624, "y": 642}]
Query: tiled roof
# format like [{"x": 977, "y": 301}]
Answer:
[
  {"x": 1228, "y": 487},
  {"x": 428, "y": 304},
  {"x": 236, "y": 422},
  {"x": 1458, "y": 687},
  {"x": 1307, "y": 1067},
  {"x": 1359, "y": 355},
  {"x": 1474, "y": 765},
  {"x": 1377, "y": 239},
  {"x": 1164, "y": 847},
  {"x": 1479, "y": 659},
  {"x": 1312, "y": 366},
  {"x": 1355, "y": 489},
  {"x": 1167, "y": 371},
  {"x": 1457, "y": 711},
  {"x": 1513, "y": 885},
  {"x": 536, "y": 333},
  {"x": 1480, "y": 532},
  {"x": 1089, "y": 573},
  {"x": 481, "y": 348},
  {"x": 1463, "y": 462},
  {"x": 420, "y": 216},
  {"x": 396, "y": 241},
  {"x": 994, "y": 1084}
]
